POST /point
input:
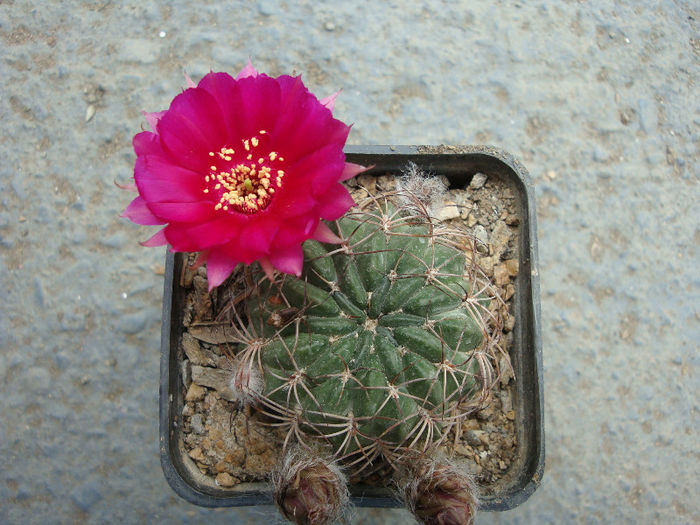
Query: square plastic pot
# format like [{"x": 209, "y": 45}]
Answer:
[{"x": 459, "y": 164}]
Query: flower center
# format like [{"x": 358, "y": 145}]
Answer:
[{"x": 245, "y": 181}]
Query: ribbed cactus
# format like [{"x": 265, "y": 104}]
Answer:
[{"x": 381, "y": 344}]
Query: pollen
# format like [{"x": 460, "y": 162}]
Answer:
[{"x": 243, "y": 186}]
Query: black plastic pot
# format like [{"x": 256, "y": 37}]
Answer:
[{"x": 459, "y": 164}]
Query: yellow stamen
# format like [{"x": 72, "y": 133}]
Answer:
[{"x": 247, "y": 186}]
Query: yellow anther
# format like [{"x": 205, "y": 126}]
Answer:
[
  {"x": 246, "y": 145},
  {"x": 273, "y": 155},
  {"x": 261, "y": 160},
  {"x": 255, "y": 142},
  {"x": 281, "y": 159},
  {"x": 262, "y": 132},
  {"x": 206, "y": 190},
  {"x": 249, "y": 157},
  {"x": 217, "y": 186},
  {"x": 227, "y": 158},
  {"x": 211, "y": 153},
  {"x": 212, "y": 168}
]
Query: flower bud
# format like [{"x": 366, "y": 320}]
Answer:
[
  {"x": 310, "y": 490},
  {"x": 441, "y": 495}
]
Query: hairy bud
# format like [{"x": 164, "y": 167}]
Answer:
[
  {"x": 440, "y": 494},
  {"x": 310, "y": 490}
]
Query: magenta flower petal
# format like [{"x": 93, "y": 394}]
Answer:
[
  {"x": 351, "y": 170},
  {"x": 295, "y": 230},
  {"x": 335, "y": 203},
  {"x": 257, "y": 240},
  {"x": 219, "y": 267},
  {"x": 267, "y": 267},
  {"x": 295, "y": 203},
  {"x": 147, "y": 143},
  {"x": 288, "y": 260},
  {"x": 153, "y": 118},
  {"x": 183, "y": 211},
  {"x": 139, "y": 213},
  {"x": 197, "y": 237},
  {"x": 159, "y": 181},
  {"x": 259, "y": 103},
  {"x": 192, "y": 128},
  {"x": 329, "y": 101},
  {"x": 320, "y": 168},
  {"x": 324, "y": 234},
  {"x": 156, "y": 240},
  {"x": 199, "y": 109},
  {"x": 247, "y": 71},
  {"x": 200, "y": 260},
  {"x": 127, "y": 187},
  {"x": 307, "y": 126},
  {"x": 242, "y": 169}
]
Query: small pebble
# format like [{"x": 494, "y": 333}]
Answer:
[
  {"x": 195, "y": 392},
  {"x": 477, "y": 181},
  {"x": 226, "y": 480}
]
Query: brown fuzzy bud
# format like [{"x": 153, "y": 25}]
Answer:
[
  {"x": 441, "y": 495},
  {"x": 310, "y": 490}
]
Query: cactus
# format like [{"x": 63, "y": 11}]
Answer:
[{"x": 381, "y": 345}]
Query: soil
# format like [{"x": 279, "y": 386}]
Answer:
[{"x": 234, "y": 444}]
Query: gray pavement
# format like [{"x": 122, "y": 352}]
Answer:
[{"x": 598, "y": 99}]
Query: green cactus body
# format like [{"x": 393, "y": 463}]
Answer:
[{"x": 383, "y": 348}]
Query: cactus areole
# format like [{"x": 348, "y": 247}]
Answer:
[{"x": 374, "y": 347}]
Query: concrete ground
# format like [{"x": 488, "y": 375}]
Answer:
[{"x": 598, "y": 99}]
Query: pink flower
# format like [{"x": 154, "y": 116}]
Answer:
[{"x": 242, "y": 169}]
